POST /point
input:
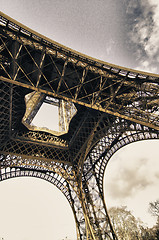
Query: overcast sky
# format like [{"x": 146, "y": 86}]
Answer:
[{"x": 121, "y": 32}]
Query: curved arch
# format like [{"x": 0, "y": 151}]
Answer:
[
  {"x": 56, "y": 180},
  {"x": 123, "y": 141},
  {"x": 7, "y": 173},
  {"x": 34, "y": 208},
  {"x": 101, "y": 153},
  {"x": 110, "y": 140}
]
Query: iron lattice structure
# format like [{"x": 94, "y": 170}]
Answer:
[{"x": 114, "y": 107}]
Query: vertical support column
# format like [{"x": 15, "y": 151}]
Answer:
[
  {"x": 98, "y": 226},
  {"x": 96, "y": 211},
  {"x": 16, "y": 48}
]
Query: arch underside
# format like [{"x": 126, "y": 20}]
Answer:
[
  {"x": 56, "y": 180},
  {"x": 92, "y": 180},
  {"x": 79, "y": 160},
  {"x": 113, "y": 141}
]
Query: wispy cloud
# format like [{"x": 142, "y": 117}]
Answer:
[
  {"x": 129, "y": 179},
  {"x": 143, "y": 33},
  {"x": 132, "y": 170}
]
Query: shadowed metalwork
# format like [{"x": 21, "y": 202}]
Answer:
[{"x": 102, "y": 108}]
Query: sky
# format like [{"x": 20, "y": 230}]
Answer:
[
  {"x": 121, "y": 32},
  {"x": 132, "y": 179}
]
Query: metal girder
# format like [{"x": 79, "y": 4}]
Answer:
[
  {"x": 61, "y": 73},
  {"x": 115, "y": 106}
]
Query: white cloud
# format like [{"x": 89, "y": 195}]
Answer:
[
  {"x": 132, "y": 177},
  {"x": 144, "y": 33}
]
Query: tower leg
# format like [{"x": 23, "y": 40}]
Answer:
[{"x": 98, "y": 225}]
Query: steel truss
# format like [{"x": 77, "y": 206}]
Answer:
[{"x": 115, "y": 106}]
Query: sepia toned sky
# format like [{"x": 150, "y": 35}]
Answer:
[
  {"x": 132, "y": 179},
  {"x": 121, "y": 32}
]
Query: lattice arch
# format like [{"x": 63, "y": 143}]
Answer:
[
  {"x": 125, "y": 139},
  {"x": 57, "y": 181},
  {"x": 8, "y": 173}
]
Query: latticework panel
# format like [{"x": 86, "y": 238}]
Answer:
[
  {"x": 5, "y": 113},
  {"x": 33, "y": 62},
  {"x": 112, "y": 138}
]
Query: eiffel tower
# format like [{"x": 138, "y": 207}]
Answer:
[{"x": 102, "y": 107}]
